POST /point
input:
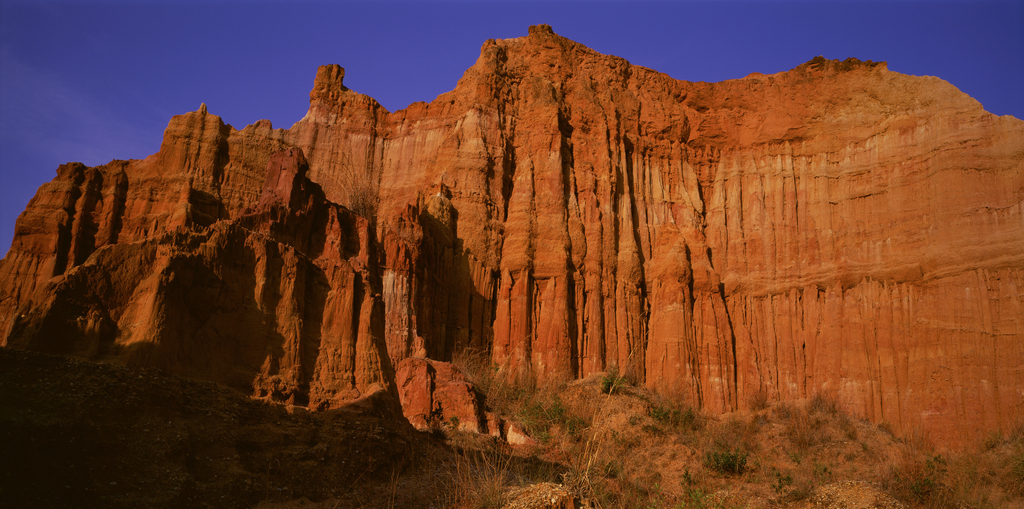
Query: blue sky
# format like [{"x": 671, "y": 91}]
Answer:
[{"x": 91, "y": 81}]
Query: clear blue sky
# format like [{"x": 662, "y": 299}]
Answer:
[{"x": 92, "y": 81}]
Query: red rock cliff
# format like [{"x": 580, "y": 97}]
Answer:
[
  {"x": 282, "y": 301},
  {"x": 837, "y": 228}
]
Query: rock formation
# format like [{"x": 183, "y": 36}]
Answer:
[
  {"x": 837, "y": 228},
  {"x": 282, "y": 301},
  {"x": 436, "y": 394}
]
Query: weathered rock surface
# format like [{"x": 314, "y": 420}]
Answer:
[
  {"x": 836, "y": 228},
  {"x": 282, "y": 302},
  {"x": 436, "y": 395}
]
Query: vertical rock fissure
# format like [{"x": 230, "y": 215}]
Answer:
[
  {"x": 531, "y": 318},
  {"x": 115, "y": 221},
  {"x": 800, "y": 326},
  {"x": 568, "y": 198},
  {"x": 759, "y": 367},
  {"x": 638, "y": 345},
  {"x": 899, "y": 366},
  {"x": 769, "y": 327},
  {"x": 488, "y": 340},
  {"x": 84, "y": 228},
  {"x": 693, "y": 352},
  {"x": 732, "y": 341},
  {"x": 508, "y": 161},
  {"x": 610, "y": 266},
  {"x": 316, "y": 295},
  {"x": 221, "y": 159},
  {"x": 65, "y": 230}
]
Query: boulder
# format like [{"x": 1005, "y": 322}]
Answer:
[{"x": 436, "y": 395}]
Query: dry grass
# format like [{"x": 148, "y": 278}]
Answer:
[
  {"x": 479, "y": 480},
  {"x": 620, "y": 446},
  {"x": 818, "y": 423},
  {"x": 758, "y": 400},
  {"x": 586, "y": 467},
  {"x": 517, "y": 395},
  {"x": 485, "y": 470},
  {"x": 989, "y": 475}
]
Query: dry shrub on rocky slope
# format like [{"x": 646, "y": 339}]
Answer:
[{"x": 630, "y": 448}]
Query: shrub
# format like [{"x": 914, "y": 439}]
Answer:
[
  {"x": 805, "y": 429},
  {"x": 822, "y": 472},
  {"x": 663, "y": 415},
  {"x": 547, "y": 410},
  {"x": 685, "y": 418},
  {"x": 801, "y": 490},
  {"x": 363, "y": 200},
  {"x": 918, "y": 482},
  {"x": 697, "y": 498},
  {"x": 782, "y": 482},
  {"x": 1016, "y": 473},
  {"x": 887, "y": 427},
  {"x": 823, "y": 405},
  {"x": 736, "y": 432},
  {"x": 783, "y": 411},
  {"x": 362, "y": 188},
  {"x": 611, "y": 381},
  {"x": 688, "y": 479},
  {"x": 652, "y": 429},
  {"x": 758, "y": 400},
  {"x": 848, "y": 427},
  {"x": 993, "y": 440},
  {"x": 727, "y": 462}
]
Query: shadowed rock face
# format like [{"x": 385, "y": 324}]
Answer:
[
  {"x": 282, "y": 301},
  {"x": 837, "y": 228}
]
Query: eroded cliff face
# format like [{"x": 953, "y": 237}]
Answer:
[
  {"x": 281, "y": 301},
  {"x": 837, "y": 228}
]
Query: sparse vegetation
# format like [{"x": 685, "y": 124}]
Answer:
[
  {"x": 782, "y": 482},
  {"x": 685, "y": 419},
  {"x": 618, "y": 446},
  {"x": 1015, "y": 478},
  {"x": 540, "y": 415},
  {"x": 726, "y": 462},
  {"x": 479, "y": 479},
  {"x": 362, "y": 189},
  {"x": 758, "y": 400},
  {"x": 611, "y": 381}
]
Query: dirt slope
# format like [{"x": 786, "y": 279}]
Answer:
[{"x": 80, "y": 434}]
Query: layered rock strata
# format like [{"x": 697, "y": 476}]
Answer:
[{"x": 838, "y": 228}]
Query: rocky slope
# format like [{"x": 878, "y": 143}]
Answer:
[
  {"x": 837, "y": 228},
  {"x": 163, "y": 441}
]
